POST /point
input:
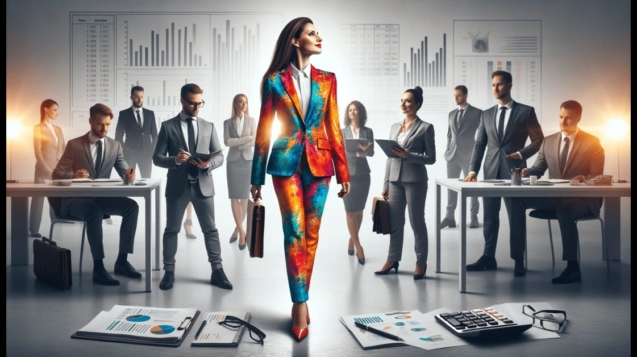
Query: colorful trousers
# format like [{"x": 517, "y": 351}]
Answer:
[{"x": 301, "y": 200}]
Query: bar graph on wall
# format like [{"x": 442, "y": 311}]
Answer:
[
  {"x": 425, "y": 67},
  {"x": 482, "y": 47}
]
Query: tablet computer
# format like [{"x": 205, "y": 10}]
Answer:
[
  {"x": 352, "y": 144},
  {"x": 204, "y": 157},
  {"x": 386, "y": 145}
]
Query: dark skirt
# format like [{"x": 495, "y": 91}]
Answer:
[
  {"x": 238, "y": 176},
  {"x": 359, "y": 190}
]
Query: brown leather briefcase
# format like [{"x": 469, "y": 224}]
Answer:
[
  {"x": 380, "y": 216},
  {"x": 52, "y": 264},
  {"x": 254, "y": 232}
]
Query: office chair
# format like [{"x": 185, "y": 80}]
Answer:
[
  {"x": 552, "y": 215},
  {"x": 56, "y": 204}
]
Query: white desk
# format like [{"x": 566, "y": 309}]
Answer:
[
  {"x": 20, "y": 193},
  {"x": 611, "y": 209}
]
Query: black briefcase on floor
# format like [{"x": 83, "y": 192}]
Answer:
[{"x": 52, "y": 264}]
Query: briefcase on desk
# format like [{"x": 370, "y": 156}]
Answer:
[
  {"x": 254, "y": 231},
  {"x": 380, "y": 216},
  {"x": 52, "y": 264}
]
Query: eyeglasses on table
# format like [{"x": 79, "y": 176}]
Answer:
[
  {"x": 234, "y": 323},
  {"x": 549, "y": 320}
]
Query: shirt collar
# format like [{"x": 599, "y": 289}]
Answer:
[
  {"x": 463, "y": 108},
  {"x": 241, "y": 118},
  {"x": 136, "y": 109},
  {"x": 570, "y": 137},
  {"x": 183, "y": 117},
  {"x": 93, "y": 139},
  {"x": 296, "y": 71},
  {"x": 509, "y": 105}
]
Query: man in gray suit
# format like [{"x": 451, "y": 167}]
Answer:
[
  {"x": 502, "y": 133},
  {"x": 137, "y": 131},
  {"x": 571, "y": 154},
  {"x": 190, "y": 180},
  {"x": 94, "y": 155},
  {"x": 463, "y": 123}
]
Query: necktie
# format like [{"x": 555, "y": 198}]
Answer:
[
  {"x": 501, "y": 123},
  {"x": 193, "y": 170},
  {"x": 459, "y": 117},
  {"x": 98, "y": 159},
  {"x": 564, "y": 154},
  {"x": 139, "y": 119}
]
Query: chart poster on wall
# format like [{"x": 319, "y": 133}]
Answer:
[
  {"x": 224, "y": 53},
  {"x": 482, "y": 47}
]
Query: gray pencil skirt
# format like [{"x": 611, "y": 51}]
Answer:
[
  {"x": 238, "y": 176},
  {"x": 359, "y": 190}
]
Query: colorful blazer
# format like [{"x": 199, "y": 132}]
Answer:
[{"x": 318, "y": 134}]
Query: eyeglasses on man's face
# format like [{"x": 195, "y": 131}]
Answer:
[
  {"x": 234, "y": 323},
  {"x": 550, "y": 320},
  {"x": 194, "y": 104}
]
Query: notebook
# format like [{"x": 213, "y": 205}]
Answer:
[{"x": 214, "y": 335}]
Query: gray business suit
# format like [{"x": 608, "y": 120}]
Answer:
[
  {"x": 360, "y": 179},
  {"x": 180, "y": 189},
  {"x": 92, "y": 209},
  {"x": 460, "y": 140},
  {"x": 47, "y": 155},
  {"x": 138, "y": 142},
  {"x": 239, "y": 160},
  {"x": 522, "y": 124},
  {"x": 586, "y": 157},
  {"x": 406, "y": 182}
]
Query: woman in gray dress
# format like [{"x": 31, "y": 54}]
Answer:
[
  {"x": 48, "y": 145},
  {"x": 355, "y": 119},
  {"x": 239, "y": 133}
]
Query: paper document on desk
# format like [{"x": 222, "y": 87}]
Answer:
[
  {"x": 514, "y": 311},
  {"x": 425, "y": 332},
  {"x": 368, "y": 339}
]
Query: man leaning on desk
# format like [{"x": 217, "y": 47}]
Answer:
[
  {"x": 571, "y": 154},
  {"x": 94, "y": 155}
]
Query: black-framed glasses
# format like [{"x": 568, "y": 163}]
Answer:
[
  {"x": 550, "y": 320},
  {"x": 194, "y": 104},
  {"x": 235, "y": 323}
]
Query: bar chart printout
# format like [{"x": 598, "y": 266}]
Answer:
[{"x": 426, "y": 68}]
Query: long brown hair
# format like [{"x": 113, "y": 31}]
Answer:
[
  {"x": 234, "y": 102},
  {"x": 284, "y": 52},
  {"x": 48, "y": 103}
]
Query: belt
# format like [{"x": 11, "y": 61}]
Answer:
[{"x": 192, "y": 180}]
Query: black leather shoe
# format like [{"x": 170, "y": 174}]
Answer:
[
  {"x": 167, "y": 281},
  {"x": 568, "y": 276},
  {"x": 519, "y": 269},
  {"x": 219, "y": 278},
  {"x": 446, "y": 222},
  {"x": 102, "y": 277},
  {"x": 484, "y": 263},
  {"x": 385, "y": 272},
  {"x": 233, "y": 238},
  {"x": 422, "y": 275},
  {"x": 127, "y": 270}
]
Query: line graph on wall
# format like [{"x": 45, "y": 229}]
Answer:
[{"x": 221, "y": 52}]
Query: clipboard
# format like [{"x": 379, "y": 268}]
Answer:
[
  {"x": 351, "y": 145},
  {"x": 204, "y": 157},
  {"x": 386, "y": 145}
]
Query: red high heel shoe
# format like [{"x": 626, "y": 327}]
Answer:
[{"x": 299, "y": 333}]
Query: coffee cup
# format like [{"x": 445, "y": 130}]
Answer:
[{"x": 533, "y": 180}]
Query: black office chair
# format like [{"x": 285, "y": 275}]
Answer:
[
  {"x": 56, "y": 205},
  {"x": 552, "y": 215}
]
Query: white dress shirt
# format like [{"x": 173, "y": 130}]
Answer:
[
  {"x": 303, "y": 86},
  {"x": 238, "y": 122},
  {"x": 507, "y": 115},
  {"x": 93, "y": 146},
  {"x": 571, "y": 139},
  {"x": 141, "y": 114},
  {"x": 184, "y": 130}
]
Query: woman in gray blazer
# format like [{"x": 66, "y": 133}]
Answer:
[
  {"x": 48, "y": 145},
  {"x": 355, "y": 119},
  {"x": 239, "y": 133},
  {"x": 405, "y": 182}
]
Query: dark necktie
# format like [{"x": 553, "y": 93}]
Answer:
[
  {"x": 98, "y": 159},
  {"x": 564, "y": 154},
  {"x": 459, "y": 117},
  {"x": 139, "y": 119},
  {"x": 501, "y": 123},
  {"x": 192, "y": 169}
]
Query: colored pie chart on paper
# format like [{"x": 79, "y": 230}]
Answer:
[
  {"x": 138, "y": 318},
  {"x": 162, "y": 329}
]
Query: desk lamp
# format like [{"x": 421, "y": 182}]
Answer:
[{"x": 616, "y": 130}]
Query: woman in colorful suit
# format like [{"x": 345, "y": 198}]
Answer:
[
  {"x": 48, "y": 144},
  {"x": 405, "y": 182},
  {"x": 238, "y": 133},
  {"x": 306, "y": 153},
  {"x": 355, "y": 119}
]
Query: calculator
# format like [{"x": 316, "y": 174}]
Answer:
[{"x": 480, "y": 323}]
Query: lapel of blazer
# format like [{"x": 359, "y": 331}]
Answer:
[
  {"x": 412, "y": 131},
  {"x": 59, "y": 151},
  {"x": 452, "y": 121},
  {"x": 288, "y": 84},
  {"x": 200, "y": 129},
  {"x": 180, "y": 134},
  {"x": 348, "y": 133},
  {"x": 552, "y": 154},
  {"x": 316, "y": 81},
  {"x": 512, "y": 121},
  {"x": 395, "y": 130},
  {"x": 579, "y": 141},
  {"x": 234, "y": 133},
  {"x": 86, "y": 144}
]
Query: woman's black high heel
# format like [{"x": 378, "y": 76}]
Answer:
[
  {"x": 385, "y": 272},
  {"x": 421, "y": 276},
  {"x": 188, "y": 223}
]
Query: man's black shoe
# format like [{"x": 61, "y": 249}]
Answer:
[
  {"x": 484, "y": 263},
  {"x": 127, "y": 270},
  {"x": 167, "y": 281},
  {"x": 474, "y": 222},
  {"x": 568, "y": 276},
  {"x": 446, "y": 222},
  {"x": 219, "y": 278},
  {"x": 102, "y": 277},
  {"x": 519, "y": 269}
]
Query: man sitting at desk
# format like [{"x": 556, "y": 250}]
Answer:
[
  {"x": 571, "y": 154},
  {"x": 93, "y": 155}
]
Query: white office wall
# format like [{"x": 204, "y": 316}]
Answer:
[{"x": 584, "y": 54}]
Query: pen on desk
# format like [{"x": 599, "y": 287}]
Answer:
[
  {"x": 200, "y": 328},
  {"x": 378, "y": 332}
]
